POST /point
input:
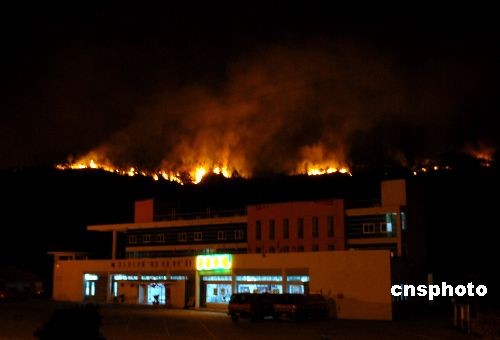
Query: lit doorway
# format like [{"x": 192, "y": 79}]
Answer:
[{"x": 155, "y": 294}]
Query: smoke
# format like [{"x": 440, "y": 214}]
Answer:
[
  {"x": 277, "y": 110},
  {"x": 286, "y": 108}
]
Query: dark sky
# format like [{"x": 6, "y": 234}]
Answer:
[{"x": 260, "y": 86}]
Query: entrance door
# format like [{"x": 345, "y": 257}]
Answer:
[{"x": 156, "y": 293}]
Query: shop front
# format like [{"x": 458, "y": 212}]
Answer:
[
  {"x": 210, "y": 280},
  {"x": 218, "y": 280}
]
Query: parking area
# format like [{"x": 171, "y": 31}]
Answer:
[{"x": 19, "y": 320}]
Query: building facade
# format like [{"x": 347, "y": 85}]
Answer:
[
  {"x": 209, "y": 280},
  {"x": 199, "y": 259},
  {"x": 296, "y": 227}
]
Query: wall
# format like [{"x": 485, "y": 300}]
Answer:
[
  {"x": 393, "y": 192},
  {"x": 177, "y": 294},
  {"x": 293, "y": 211},
  {"x": 143, "y": 211}
]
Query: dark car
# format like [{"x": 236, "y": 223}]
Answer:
[
  {"x": 301, "y": 307},
  {"x": 252, "y": 306}
]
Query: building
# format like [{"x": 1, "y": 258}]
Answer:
[{"x": 199, "y": 259}]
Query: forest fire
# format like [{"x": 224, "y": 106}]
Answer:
[
  {"x": 194, "y": 175},
  {"x": 482, "y": 153}
]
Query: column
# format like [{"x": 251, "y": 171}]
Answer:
[{"x": 113, "y": 249}]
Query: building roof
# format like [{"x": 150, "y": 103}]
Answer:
[{"x": 169, "y": 224}]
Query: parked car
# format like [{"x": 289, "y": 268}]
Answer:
[
  {"x": 252, "y": 306},
  {"x": 300, "y": 307}
]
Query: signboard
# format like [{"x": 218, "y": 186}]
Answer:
[{"x": 213, "y": 262}]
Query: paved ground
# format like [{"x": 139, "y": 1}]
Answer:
[{"x": 18, "y": 320}]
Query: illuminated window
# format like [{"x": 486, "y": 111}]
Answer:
[
  {"x": 159, "y": 238},
  {"x": 258, "y": 231},
  {"x": 198, "y": 236},
  {"x": 183, "y": 237},
  {"x": 286, "y": 231},
  {"x": 301, "y": 278},
  {"x": 178, "y": 277},
  {"x": 329, "y": 226},
  {"x": 254, "y": 278},
  {"x": 238, "y": 234},
  {"x": 219, "y": 293},
  {"x": 115, "y": 288},
  {"x": 89, "y": 288},
  {"x": 368, "y": 228},
  {"x": 90, "y": 277},
  {"x": 221, "y": 235},
  {"x": 315, "y": 231},
  {"x": 217, "y": 278},
  {"x": 300, "y": 227},
  {"x": 271, "y": 230},
  {"x": 153, "y": 277},
  {"x": 123, "y": 277}
]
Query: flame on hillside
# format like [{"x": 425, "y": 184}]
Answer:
[
  {"x": 314, "y": 161},
  {"x": 483, "y": 153}
]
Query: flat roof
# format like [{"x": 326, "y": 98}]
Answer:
[{"x": 168, "y": 224}]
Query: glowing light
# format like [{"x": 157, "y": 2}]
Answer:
[
  {"x": 90, "y": 277},
  {"x": 483, "y": 153},
  {"x": 199, "y": 173},
  {"x": 315, "y": 160},
  {"x": 315, "y": 171},
  {"x": 213, "y": 262},
  {"x": 222, "y": 171}
]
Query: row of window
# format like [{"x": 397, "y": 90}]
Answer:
[
  {"x": 300, "y": 228},
  {"x": 287, "y": 249},
  {"x": 183, "y": 236},
  {"x": 376, "y": 228}
]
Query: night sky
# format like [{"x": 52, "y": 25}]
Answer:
[{"x": 261, "y": 86}]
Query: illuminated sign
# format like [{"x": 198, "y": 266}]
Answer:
[{"x": 213, "y": 262}]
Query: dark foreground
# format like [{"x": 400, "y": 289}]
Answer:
[{"x": 19, "y": 320}]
